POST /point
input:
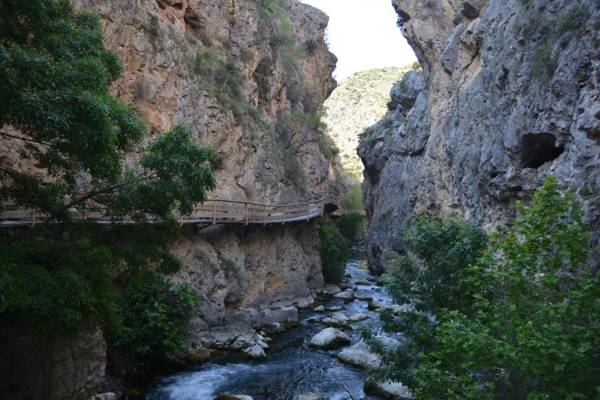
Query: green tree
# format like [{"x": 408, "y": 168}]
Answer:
[
  {"x": 335, "y": 251},
  {"x": 531, "y": 329},
  {"x": 57, "y": 115}
]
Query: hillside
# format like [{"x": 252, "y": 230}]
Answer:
[{"x": 358, "y": 102}]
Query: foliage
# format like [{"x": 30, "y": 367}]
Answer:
[
  {"x": 353, "y": 199},
  {"x": 335, "y": 251},
  {"x": 224, "y": 81},
  {"x": 441, "y": 248},
  {"x": 56, "y": 286},
  {"x": 155, "y": 314},
  {"x": 55, "y": 76},
  {"x": 573, "y": 19},
  {"x": 351, "y": 225},
  {"x": 328, "y": 147},
  {"x": 530, "y": 328},
  {"x": 543, "y": 65},
  {"x": 310, "y": 46}
]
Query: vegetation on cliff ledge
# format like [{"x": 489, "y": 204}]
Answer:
[
  {"x": 515, "y": 316},
  {"x": 335, "y": 251},
  {"x": 69, "y": 136}
]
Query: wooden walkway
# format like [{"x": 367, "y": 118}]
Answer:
[{"x": 210, "y": 212}]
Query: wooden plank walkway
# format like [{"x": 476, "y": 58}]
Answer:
[{"x": 210, "y": 212}]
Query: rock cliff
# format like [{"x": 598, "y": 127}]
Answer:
[
  {"x": 249, "y": 78},
  {"x": 508, "y": 94}
]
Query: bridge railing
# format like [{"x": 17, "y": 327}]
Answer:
[{"x": 213, "y": 211}]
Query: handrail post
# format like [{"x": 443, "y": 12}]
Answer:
[
  {"x": 308, "y": 212},
  {"x": 214, "y": 212},
  {"x": 33, "y": 218},
  {"x": 247, "y": 213},
  {"x": 264, "y": 215}
]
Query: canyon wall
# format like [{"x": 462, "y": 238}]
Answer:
[
  {"x": 247, "y": 77},
  {"x": 507, "y": 95}
]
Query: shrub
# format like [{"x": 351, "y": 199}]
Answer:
[
  {"x": 328, "y": 147},
  {"x": 573, "y": 19},
  {"x": 310, "y": 46},
  {"x": 224, "y": 81},
  {"x": 350, "y": 225},
  {"x": 530, "y": 328},
  {"x": 543, "y": 65},
  {"x": 55, "y": 287},
  {"x": 353, "y": 199},
  {"x": 439, "y": 250},
  {"x": 335, "y": 251},
  {"x": 155, "y": 314}
]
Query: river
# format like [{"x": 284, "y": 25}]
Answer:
[{"x": 291, "y": 367}]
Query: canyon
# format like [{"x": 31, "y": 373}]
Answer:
[{"x": 505, "y": 94}]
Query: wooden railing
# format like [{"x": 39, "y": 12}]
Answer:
[{"x": 215, "y": 211}]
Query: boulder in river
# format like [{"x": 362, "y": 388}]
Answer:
[
  {"x": 304, "y": 302},
  {"x": 358, "y": 317},
  {"x": 363, "y": 297},
  {"x": 104, "y": 396},
  {"x": 255, "y": 351},
  {"x": 387, "y": 390},
  {"x": 338, "y": 319},
  {"x": 330, "y": 289},
  {"x": 334, "y": 322},
  {"x": 346, "y": 295},
  {"x": 309, "y": 396},
  {"x": 335, "y": 308},
  {"x": 320, "y": 308},
  {"x": 329, "y": 338},
  {"x": 233, "y": 397},
  {"x": 364, "y": 282},
  {"x": 387, "y": 342},
  {"x": 359, "y": 355},
  {"x": 375, "y": 305}
]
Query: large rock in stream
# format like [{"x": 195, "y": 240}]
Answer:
[
  {"x": 387, "y": 390},
  {"x": 329, "y": 338},
  {"x": 359, "y": 355}
]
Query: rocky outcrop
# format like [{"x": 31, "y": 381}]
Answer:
[
  {"x": 508, "y": 94},
  {"x": 248, "y": 78}
]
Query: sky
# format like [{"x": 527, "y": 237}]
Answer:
[{"x": 363, "y": 35}]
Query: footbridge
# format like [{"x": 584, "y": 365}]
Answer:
[{"x": 210, "y": 212}]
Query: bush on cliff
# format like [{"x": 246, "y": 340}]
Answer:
[
  {"x": 351, "y": 225},
  {"x": 335, "y": 251},
  {"x": 55, "y": 79},
  {"x": 527, "y": 326}
]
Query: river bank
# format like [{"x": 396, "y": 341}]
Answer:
[{"x": 293, "y": 369}]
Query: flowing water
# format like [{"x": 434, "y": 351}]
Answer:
[{"x": 291, "y": 367}]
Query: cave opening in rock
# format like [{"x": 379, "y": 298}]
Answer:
[{"x": 538, "y": 149}]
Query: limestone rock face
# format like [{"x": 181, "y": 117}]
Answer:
[
  {"x": 245, "y": 83},
  {"x": 508, "y": 94}
]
